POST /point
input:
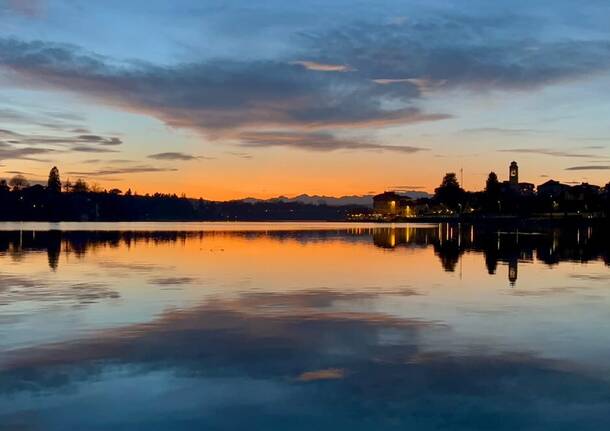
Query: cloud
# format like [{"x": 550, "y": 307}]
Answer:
[
  {"x": 59, "y": 140},
  {"x": 175, "y": 156},
  {"x": 460, "y": 50},
  {"x": 502, "y": 131},
  {"x": 312, "y": 65},
  {"x": 126, "y": 170},
  {"x": 19, "y": 173},
  {"x": 29, "y": 8},
  {"x": 547, "y": 152},
  {"x": 589, "y": 168},
  {"x": 391, "y": 68},
  {"x": 317, "y": 141},
  {"x": 54, "y": 120},
  {"x": 239, "y": 154},
  {"x": 218, "y": 96},
  {"x": 91, "y": 149},
  {"x": 407, "y": 187},
  {"x": 97, "y": 139},
  {"x": 10, "y": 152}
]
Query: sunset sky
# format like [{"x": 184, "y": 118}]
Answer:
[{"x": 235, "y": 98}]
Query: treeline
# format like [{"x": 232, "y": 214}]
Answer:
[{"x": 79, "y": 201}]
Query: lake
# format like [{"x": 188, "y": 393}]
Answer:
[{"x": 300, "y": 326}]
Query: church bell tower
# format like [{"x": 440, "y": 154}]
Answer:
[{"x": 513, "y": 174}]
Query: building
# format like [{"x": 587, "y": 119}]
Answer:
[
  {"x": 513, "y": 185},
  {"x": 513, "y": 174},
  {"x": 553, "y": 189},
  {"x": 391, "y": 204},
  {"x": 584, "y": 192}
]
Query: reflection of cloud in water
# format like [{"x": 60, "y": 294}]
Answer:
[
  {"x": 327, "y": 374},
  {"x": 129, "y": 267},
  {"x": 592, "y": 277},
  {"x": 313, "y": 299},
  {"x": 340, "y": 367},
  {"x": 16, "y": 289},
  {"x": 172, "y": 281},
  {"x": 557, "y": 290}
]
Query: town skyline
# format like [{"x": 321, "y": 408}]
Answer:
[
  {"x": 513, "y": 181},
  {"x": 226, "y": 101}
]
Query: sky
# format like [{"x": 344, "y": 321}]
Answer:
[{"x": 235, "y": 98}]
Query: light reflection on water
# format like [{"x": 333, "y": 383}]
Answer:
[{"x": 289, "y": 326}]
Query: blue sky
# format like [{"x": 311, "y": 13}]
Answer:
[{"x": 235, "y": 98}]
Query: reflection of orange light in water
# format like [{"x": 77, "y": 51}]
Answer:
[{"x": 266, "y": 260}]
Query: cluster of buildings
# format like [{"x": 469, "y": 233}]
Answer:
[{"x": 393, "y": 204}]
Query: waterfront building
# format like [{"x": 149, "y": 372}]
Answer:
[{"x": 392, "y": 204}]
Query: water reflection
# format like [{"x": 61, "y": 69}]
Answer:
[
  {"x": 249, "y": 362},
  {"x": 367, "y": 327},
  {"x": 450, "y": 242}
]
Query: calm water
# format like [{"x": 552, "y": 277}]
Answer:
[{"x": 303, "y": 326}]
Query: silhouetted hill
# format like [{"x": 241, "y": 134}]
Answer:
[{"x": 360, "y": 200}]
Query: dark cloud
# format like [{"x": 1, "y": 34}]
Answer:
[
  {"x": 54, "y": 120},
  {"x": 10, "y": 115},
  {"x": 68, "y": 116},
  {"x": 91, "y": 149},
  {"x": 360, "y": 75},
  {"x": 239, "y": 154},
  {"x": 218, "y": 96},
  {"x": 112, "y": 161},
  {"x": 548, "y": 152},
  {"x": 65, "y": 140},
  {"x": 316, "y": 141},
  {"x": 117, "y": 171},
  {"x": 19, "y": 173},
  {"x": 29, "y": 8},
  {"x": 460, "y": 50},
  {"x": 10, "y": 152},
  {"x": 502, "y": 131},
  {"x": 589, "y": 168},
  {"x": 98, "y": 139},
  {"x": 407, "y": 187},
  {"x": 5, "y": 133},
  {"x": 175, "y": 156}
]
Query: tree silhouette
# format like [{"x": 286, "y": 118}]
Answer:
[
  {"x": 18, "y": 182},
  {"x": 492, "y": 186},
  {"x": 80, "y": 186},
  {"x": 492, "y": 193},
  {"x": 449, "y": 192},
  {"x": 54, "y": 183}
]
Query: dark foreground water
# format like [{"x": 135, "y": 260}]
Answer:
[{"x": 303, "y": 327}]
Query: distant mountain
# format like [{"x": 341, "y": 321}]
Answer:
[{"x": 363, "y": 200}]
